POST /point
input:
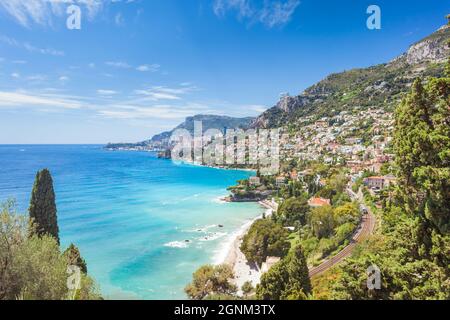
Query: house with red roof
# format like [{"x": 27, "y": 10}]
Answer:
[{"x": 318, "y": 202}]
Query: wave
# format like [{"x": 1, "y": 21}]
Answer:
[
  {"x": 212, "y": 236},
  {"x": 202, "y": 229},
  {"x": 176, "y": 244},
  {"x": 221, "y": 253},
  {"x": 219, "y": 200}
]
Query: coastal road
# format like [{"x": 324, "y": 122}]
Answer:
[{"x": 365, "y": 229}]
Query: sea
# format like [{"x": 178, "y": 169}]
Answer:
[{"x": 143, "y": 224}]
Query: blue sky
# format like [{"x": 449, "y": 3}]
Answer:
[{"x": 138, "y": 67}]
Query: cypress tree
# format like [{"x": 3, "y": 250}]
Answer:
[
  {"x": 43, "y": 207},
  {"x": 422, "y": 148},
  {"x": 298, "y": 272},
  {"x": 287, "y": 280}
]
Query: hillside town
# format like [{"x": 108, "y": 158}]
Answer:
[{"x": 358, "y": 141}]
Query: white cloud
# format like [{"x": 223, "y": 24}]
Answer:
[
  {"x": 155, "y": 96},
  {"x": 25, "y": 99},
  {"x": 256, "y": 108},
  {"x": 157, "y": 93},
  {"x": 103, "y": 92},
  {"x": 147, "y": 104},
  {"x": 15, "y": 75},
  {"x": 47, "y": 51},
  {"x": 271, "y": 13},
  {"x": 125, "y": 65},
  {"x": 243, "y": 7},
  {"x": 118, "y": 64},
  {"x": 167, "y": 112},
  {"x": 64, "y": 78},
  {"x": 278, "y": 13},
  {"x": 147, "y": 67},
  {"x": 41, "y": 12},
  {"x": 29, "y": 47}
]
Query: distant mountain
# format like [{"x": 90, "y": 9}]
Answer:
[
  {"x": 208, "y": 122},
  {"x": 380, "y": 86}
]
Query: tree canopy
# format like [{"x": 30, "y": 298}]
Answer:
[
  {"x": 413, "y": 250},
  {"x": 293, "y": 211},
  {"x": 32, "y": 267},
  {"x": 287, "y": 280},
  {"x": 265, "y": 238},
  {"x": 43, "y": 206},
  {"x": 211, "y": 280}
]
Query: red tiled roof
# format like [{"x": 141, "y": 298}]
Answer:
[{"x": 318, "y": 202}]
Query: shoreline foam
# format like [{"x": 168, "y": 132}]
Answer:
[{"x": 231, "y": 254}]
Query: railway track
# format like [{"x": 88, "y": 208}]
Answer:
[{"x": 365, "y": 229}]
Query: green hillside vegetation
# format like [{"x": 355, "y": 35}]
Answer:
[
  {"x": 412, "y": 249},
  {"x": 411, "y": 244},
  {"x": 32, "y": 264}
]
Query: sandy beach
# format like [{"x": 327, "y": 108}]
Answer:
[{"x": 242, "y": 269}]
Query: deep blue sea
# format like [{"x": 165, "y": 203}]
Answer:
[{"x": 131, "y": 213}]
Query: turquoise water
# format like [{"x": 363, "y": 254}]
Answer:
[{"x": 130, "y": 213}]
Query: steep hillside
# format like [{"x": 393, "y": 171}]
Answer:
[{"x": 379, "y": 86}]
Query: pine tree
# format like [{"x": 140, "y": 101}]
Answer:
[{"x": 43, "y": 207}]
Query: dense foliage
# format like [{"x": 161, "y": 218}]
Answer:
[
  {"x": 32, "y": 267},
  {"x": 210, "y": 281},
  {"x": 413, "y": 249},
  {"x": 411, "y": 244},
  {"x": 293, "y": 211},
  {"x": 265, "y": 238},
  {"x": 287, "y": 280},
  {"x": 43, "y": 207},
  {"x": 422, "y": 142}
]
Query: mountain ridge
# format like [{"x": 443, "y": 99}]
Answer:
[
  {"x": 161, "y": 140},
  {"x": 376, "y": 86},
  {"x": 379, "y": 86}
]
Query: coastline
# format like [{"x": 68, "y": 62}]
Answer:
[
  {"x": 228, "y": 251},
  {"x": 196, "y": 164},
  {"x": 233, "y": 256}
]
